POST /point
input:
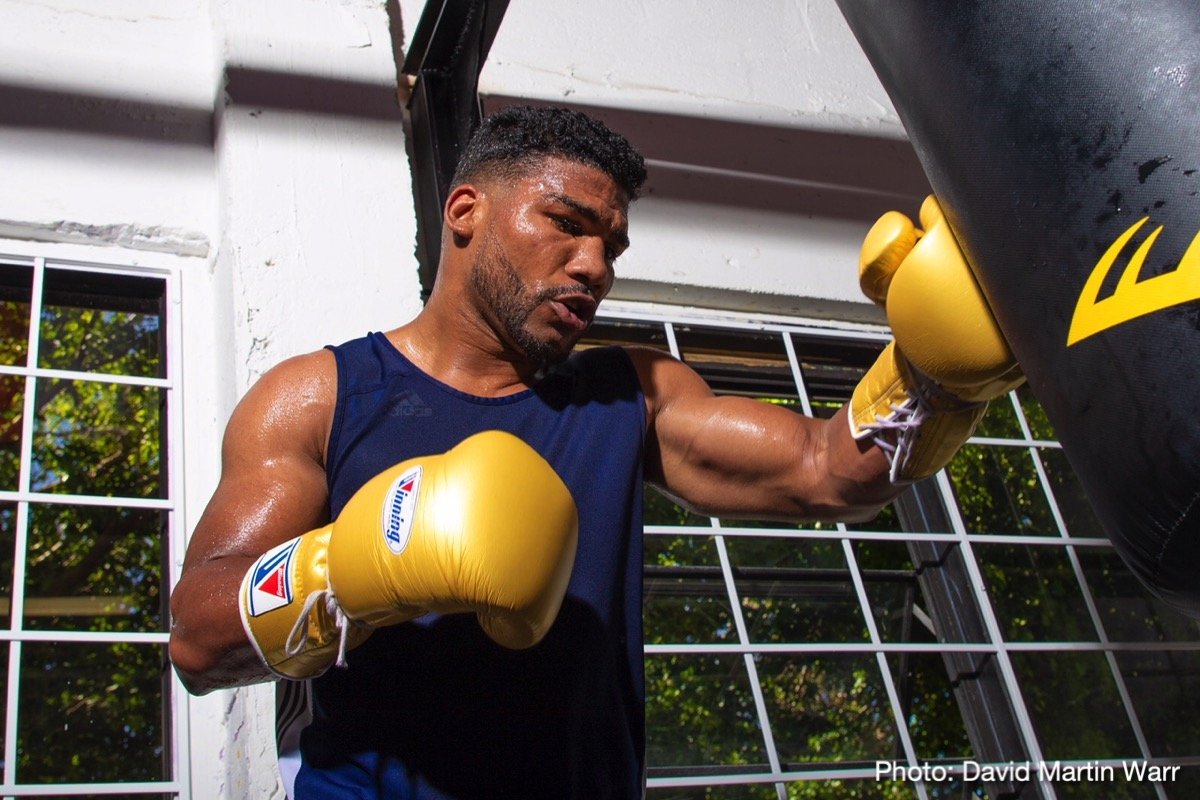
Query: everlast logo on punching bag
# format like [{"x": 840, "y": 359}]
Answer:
[{"x": 1133, "y": 298}]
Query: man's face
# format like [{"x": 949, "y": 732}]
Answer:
[{"x": 545, "y": 260}]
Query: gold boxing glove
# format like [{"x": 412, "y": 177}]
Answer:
[
  {"x": 930, "y": 386},
  {"x": 488, "y": 528}
]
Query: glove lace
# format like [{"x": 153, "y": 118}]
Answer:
[
  {"x": 924, "y": 401},
  {"x": 297, "y": 640},
  {"x": 905, "y": 420}
]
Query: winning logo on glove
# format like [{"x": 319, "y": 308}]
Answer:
[{"x": 399, "y": 509}]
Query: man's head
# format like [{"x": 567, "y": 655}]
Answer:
[
  {"x": 513, "y": 140},
  {"x": 536, "y": 217}
]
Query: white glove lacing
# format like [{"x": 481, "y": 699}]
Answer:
[
  {"x": 906, "y": 419},
  {"x": 298, "y": 639}
]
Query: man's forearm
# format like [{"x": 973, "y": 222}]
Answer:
[{"x": 208, "y": 647}]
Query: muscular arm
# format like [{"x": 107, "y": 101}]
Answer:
[
  {"x": 738, "y": 457},
  {"x": 272, "y": 488}
]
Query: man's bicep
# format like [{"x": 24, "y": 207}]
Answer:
[
  {"x": 719, "y": 454},
  {"x": 258, "y": 506},
  {"x": 736, "y": 456},
  {"x": 272, "y": 485}
]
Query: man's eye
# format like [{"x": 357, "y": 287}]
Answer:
[
  {"x": 568, "y": 226},
  {"x": 610, "y": 255}
]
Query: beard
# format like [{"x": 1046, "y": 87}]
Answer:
[{"x": 495, "y": 281}]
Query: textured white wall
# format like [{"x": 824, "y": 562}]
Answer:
[
  {"x": 106, "y": 134},
  {"x": 790, "y": 63},
  {"x": 318, "y": 227}
]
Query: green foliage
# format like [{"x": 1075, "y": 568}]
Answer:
[
  {"x": 91, "y": 713},
  {"x": 700, "y": 711},
  {"x": 998, "y": 491},
  {"x": 110, "y": 557},
  {"x": 828, "y": 709}
]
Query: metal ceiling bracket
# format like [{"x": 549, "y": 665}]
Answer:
[{"x": 449, "y": 48}]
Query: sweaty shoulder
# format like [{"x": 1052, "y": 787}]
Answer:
[{"x": 289, "y": 409}]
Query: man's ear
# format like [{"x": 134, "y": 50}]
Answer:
[{"x": 463, "y": 210}]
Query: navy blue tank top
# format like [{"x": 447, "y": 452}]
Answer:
[{"x": 435, "y": 709}]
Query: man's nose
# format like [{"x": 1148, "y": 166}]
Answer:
[{"x": 590, "y": 267}]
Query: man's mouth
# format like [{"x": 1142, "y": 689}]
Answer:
[{"x": 574, "y": 310}]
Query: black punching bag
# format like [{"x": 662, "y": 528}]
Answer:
[{"x": 1063, "y": 140}]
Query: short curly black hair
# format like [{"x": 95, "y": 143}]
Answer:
[{"x": 515, "y": 138}]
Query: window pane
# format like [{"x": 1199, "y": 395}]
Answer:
[
  {"x": 828, "y": 709},
  {"x": 998, "y": 491},
  {"x": 747, "y": 363},
  {"x": 1128, "y": 611},
  {"x": 1073, "y": 504},
  {"x": 1035, "y": 593},
  {"x": 685, "y": 597},
  {"x": 12, "y": 406},
  {"x": 927, "y": 699},
  {"x": 625, "y": 333},
  {"x": 891, "y": 585},
  {"x": 1080, "y": 787},
  {"x": 700, "y": 712},
  {"x": 4, "y": 651},
  {"x": 1000, "y": 421},
  {"x": 831, "y": 368},
  {"x": 16, "y": 289},
  {"x": 1185, "y": 784},
  {"x": 92, "y": 712},
  {"x": 95, "y": 568},
  {"x": 758, "y": 791},
  {"x": 1073, "y": 701},
  {"x": 795, "y": 590},
  {"x": 858, "y": 790},
  {"x": 93, "y": 322},
  {"x": 98, "y": 438},
  {"x": 8, "y": 527},
  {"x": 1165, "y": 689},
  {"x": 750, "y": 792}
]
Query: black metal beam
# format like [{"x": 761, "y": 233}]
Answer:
[
  {"x": 986, "y": 708},
  {"x": 449, "y": 48}
]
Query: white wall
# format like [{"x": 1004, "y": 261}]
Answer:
[
  {"x": 258, "y": 146},
  {"x": 107, "y": 120}
]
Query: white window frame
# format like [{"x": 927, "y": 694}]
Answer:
[{"x": 168, "y": 268}]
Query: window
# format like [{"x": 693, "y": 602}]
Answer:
[
  {"x": 790, "y": 662},
  {"x": 87, "y": 500}
]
